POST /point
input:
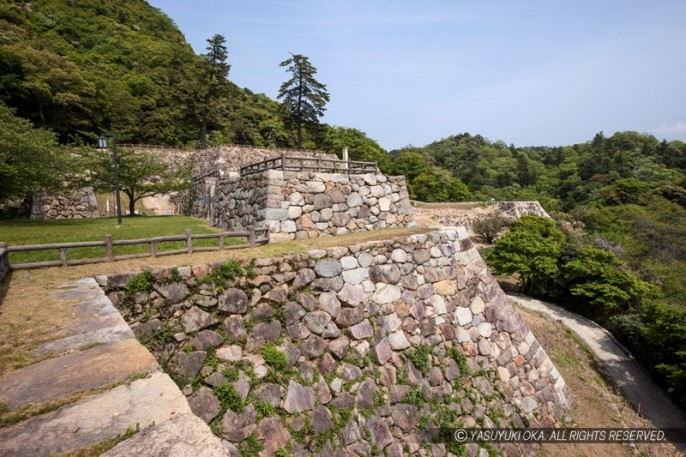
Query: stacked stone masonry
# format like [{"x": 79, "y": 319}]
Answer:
[
  {"x": 79, "y": 204},
  {"x": 304, "y": 204},
  {"x": 228, "y": 158},
  {"x": 380, "y": 342}
]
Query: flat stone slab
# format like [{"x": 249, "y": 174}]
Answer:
[
  {"x": 106, "y": 328},
  {"x": 153, "y": 400},
  {"x": 75, "y": 372},
  {"x": 184, "y": 436}
]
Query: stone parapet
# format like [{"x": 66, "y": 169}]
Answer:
[
  {"x": 305, "y": 205},
  {"x": 75, "y": 205}
]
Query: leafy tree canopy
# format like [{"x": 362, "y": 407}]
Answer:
[
  {"x": 140, "y": 174},
  {"x": 29, "y": 157}
]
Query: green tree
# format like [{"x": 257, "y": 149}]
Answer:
[
  {"x": 359, "y": 145},
  {"x": 438, "y": 185},
  {"x": 215, "y": 72},
  {"x": 600, "y": 279},
  {"x": 531, "y": 249},
  {"x": 29, "y": 157},
  {"x": 140, "y": 174},
  {"x": 304, "y": 98},
  {"x": 489, "y": 226}
]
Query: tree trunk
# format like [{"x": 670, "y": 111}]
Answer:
[
  {"x": 299, "y": 133},
  {"x": 132, "y": 206},
  {"x": 203, "y": 135}
]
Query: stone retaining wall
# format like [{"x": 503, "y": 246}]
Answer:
[
  {"x": 228, "y": 158},
  {"x": 79, "y": 204},
  {"x": 304, "y": 205},
  {"x": 347, "y": 351}
]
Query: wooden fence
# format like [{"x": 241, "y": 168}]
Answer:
[
  {"x": 253, "y": 238},
  {"x": 320, "y": 165},
  {"x": 4, "y": 261}
]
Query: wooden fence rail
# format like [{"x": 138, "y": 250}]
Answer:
[
  {"x": 253, "y": 237},
  {"x": 318, "y": 164}
]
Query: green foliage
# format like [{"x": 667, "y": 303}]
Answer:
[
  {"x": 29, "y": 157},
  {"x": 461, "y": 360},
  {"x": 263, "y": 409},
  {"x": 250, "y": 447},
  {"x": 415, "y": 397},
  {"x": 140, "y": 174},
  {"x": 438, "y": 185},
  {"x": 360, "y": 146},
  {"x": 228, "y": 397},
  {"x": 142, "y": 282},
  {"x": 420, "y": 357},
  {"x": 489, "y": 226},
  {"x": 597, "y": 278},
  {"x": 531, "y": 249},
  {"x": 175, "y": 276},
  {"x": 304, "y": 98},
  {"x": 274, "y": 357}
]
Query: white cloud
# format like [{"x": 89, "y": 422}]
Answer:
[{"x": 674, "y": 129}]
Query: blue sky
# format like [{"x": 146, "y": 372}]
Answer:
[{"x": 412, "y": 72}]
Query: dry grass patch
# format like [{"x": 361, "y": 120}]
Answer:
[{"x": 30, "y": 315}]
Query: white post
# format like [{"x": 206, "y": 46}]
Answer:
[
  {"x": 345, "y": 158},
  {"x": 107, "y": 207}
]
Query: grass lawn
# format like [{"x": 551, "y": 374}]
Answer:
[{"x": 22, "y": 232}]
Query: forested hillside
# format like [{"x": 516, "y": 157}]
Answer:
[
  {"x": 626, "y": 269},
  {"x": 84, "y": 67}
]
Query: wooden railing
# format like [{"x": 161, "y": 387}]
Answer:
[
  {"x": 253, "y": 238},
  {"x": 298, "y": 164}
]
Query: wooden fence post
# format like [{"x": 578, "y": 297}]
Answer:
[
  {"x": 153, "y": 249},
  {"x": 4, "y": 262},
  {"x": 63, "y": 256},
  {"x": 251, "y": 237},
  {"x": 109, "y": 248},
  {"x": 283, "y": 162},
  {"x": 189, "y": 241}
]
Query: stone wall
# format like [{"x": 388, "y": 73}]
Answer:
[
  {"x": 304, "y": 205},
  {"x": 228, "y": 158},
  {"x": 79, "y": 204},
  {"x": 348, "y": 351}
]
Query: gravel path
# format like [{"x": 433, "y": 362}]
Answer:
[{"x": 619, "y": 365}]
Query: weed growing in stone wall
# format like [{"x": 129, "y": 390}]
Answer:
[
  {"x": 228, "y": 397},
  {"x": 142, "y": 282},
  {"x": 421, "y": 357},
  {"x": 459, "y": 358},
  {"x": 274, "y": 357}
]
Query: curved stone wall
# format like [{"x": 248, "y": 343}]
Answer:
[{"x": 360, "y": 348}]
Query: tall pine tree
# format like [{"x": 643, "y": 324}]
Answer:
[
  {"x": 303, "y": 96},
  {"x": 215, "y": 85}
]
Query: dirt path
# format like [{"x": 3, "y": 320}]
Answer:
[{"x": 618, "y": 364}]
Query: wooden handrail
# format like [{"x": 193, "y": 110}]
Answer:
[
  {"x": 253, "y": 237},
  {"x": 317, "y": 164}
]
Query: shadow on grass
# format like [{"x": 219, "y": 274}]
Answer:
[{"x": 4, "y": 287}]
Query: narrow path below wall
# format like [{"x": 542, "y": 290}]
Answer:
[{"x": 627, "y": 374}]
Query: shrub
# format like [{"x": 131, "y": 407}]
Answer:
[{"x": 489, "y": 226}]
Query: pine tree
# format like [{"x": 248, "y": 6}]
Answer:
[
  {"x": 215, "y": 74},
  {"x": 303, "y": 96}
]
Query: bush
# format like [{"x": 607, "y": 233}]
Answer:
[{"x": 489, "y": 226}]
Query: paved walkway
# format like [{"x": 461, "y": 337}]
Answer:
[
  {"x": 101, "y": 355},
  {"x": 621, "y": 368}
]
